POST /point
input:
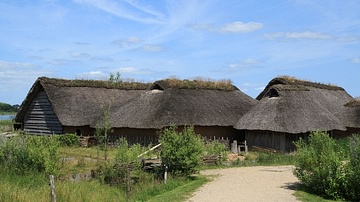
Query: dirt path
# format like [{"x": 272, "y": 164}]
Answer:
[{"x": 261, "y": 183}]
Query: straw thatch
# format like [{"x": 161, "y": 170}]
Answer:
[
  {"x": 350, "y": 116},
  {"x": 294, "y": 106},
  {"x": 166, "y": 104},
  {"x": 78, "y": 102}
]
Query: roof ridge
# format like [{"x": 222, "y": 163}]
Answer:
[
  {"x": 195, "y": 84},
  {"x": 288, "y": 80},
  {"x": 94, "y": 83}
]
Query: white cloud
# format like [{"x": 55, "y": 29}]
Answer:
[
  {"x": 79, "y": 55},
  {"x": 152, "y": 48},
  {"x": 241, "y": 27},
  {"x": 97, "y": 75},
  {"x": 356, "y": 60},
  {"x": 241, "y": 66},
  {"x": 130, "y": 41},
  {"x": 130, "y": 10},
  {"x": 15, "y": 65},
  {"x": 234, "y": 27},
  {"x": 299, "y": 35},
  {"x": 133, "y": 40},
  {"x": 16, "y": 75},
  {"x": 132, "y": 70},
  {"x": 63, "y": 61}
]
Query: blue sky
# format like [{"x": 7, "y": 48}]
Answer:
[{"x": 249, "y": 42}]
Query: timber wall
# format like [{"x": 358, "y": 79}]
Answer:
[{"x": 41, "y": 119}]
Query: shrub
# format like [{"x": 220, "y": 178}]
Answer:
[
  {"x": 318, "y": 166},
  {"x": 115, "y": 172},
  {"x": 24, "y": 154},
  {"x": 353, "y": 174},
  {"x": 69, "y": 140},
  {"x": 181, "y": 151}
]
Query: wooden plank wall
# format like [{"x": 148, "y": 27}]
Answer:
[
  {"x": 275, "y": 140},
  {"x": 41, "y": 119}
]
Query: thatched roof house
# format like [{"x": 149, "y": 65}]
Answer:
[
  {"x": 136, "y": 109},
  {"x": 69, "y": 106},
  {"x": 350, "y": 117},
  {"x": 211, "y": 107},
  {"x": 288, "y": 108}
]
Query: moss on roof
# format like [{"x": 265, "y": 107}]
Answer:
[
  {"x": 196, "y": 84},
  {"x": 288, "y": 80},
  {"x": 353, "y": 103},
  {"x": 95, "y": 84}
]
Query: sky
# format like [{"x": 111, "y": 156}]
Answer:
[{"x": 249, "y": 42}]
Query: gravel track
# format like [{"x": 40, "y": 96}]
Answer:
[{"x": 260, "y": 183}]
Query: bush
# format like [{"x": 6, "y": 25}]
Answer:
[
  {"x": 24, "y": 154},
  {"x": 114, "y": 172},
  {"x": 353, "y": 174},
  {"x": 318, "y": 166},
  {"x": 69, "y": 140},
  {"x": 181, "y": 151}
]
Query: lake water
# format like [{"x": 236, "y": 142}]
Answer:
[{"x": 6, "y": 117}]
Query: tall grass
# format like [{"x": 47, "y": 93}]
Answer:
[{"x": 35, "y": 187}]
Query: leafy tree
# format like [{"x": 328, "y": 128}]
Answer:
[
  {"x": 115, "y": 79},
  {"x": 318, "y": 165},
  {"x": 181, "y": 151},
  {"x": 353, "y": 174},
  {"x": 7, "y": 108}
]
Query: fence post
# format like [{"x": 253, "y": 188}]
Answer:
[
  {"x": 165, "y": 173},
  {"x": 128, "y": 183},
  {"x": 52, "y": 187}
]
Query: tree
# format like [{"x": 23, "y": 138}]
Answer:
[
  {"x": 7, "y": 108},
  {"x": 181, "y": 151},
  {"x": 103, "y": 128},
  {"x": 318, "y": 165}
]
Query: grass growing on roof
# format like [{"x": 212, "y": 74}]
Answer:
[{"x": 198, "y": 83}]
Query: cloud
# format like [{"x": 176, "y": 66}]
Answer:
[
  {"x": 15, "y": 75},
  {"x": 79, "y": 55},
  {"x": 241, "y": 66},
  {"x": 356, "y": 60},
  {"x": 97, "y": 75},
  {"x": 132, "y": 70},
  {"x": 130, "y": 41},
  {"x": 152, "y": 48},
  {"x": 299, "y": 35},
  {"x": 62, "y": 61},
  {"x": 234, "y": 27},
  {"x": 251, "y": 87},
  {"x": 128, "y": 10},
  {"x": 240, "y": 27},
  {"x": 82, "y": 43}
]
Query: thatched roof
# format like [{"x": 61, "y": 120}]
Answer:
[
  {"x": 78, "y": 102},
  {"x": 139, "y": 105},
  {"x": 196, "y": 84},
  {"x": 296, "y": 106},
  {"x": 290, "y": 83},
  {"x": 350, "y": 116},
  {"x": 166, "y": 104}
]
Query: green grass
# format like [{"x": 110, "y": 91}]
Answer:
[
  {"x": 174, "y": 190},
  {"x": 35, "y": 187},
  {"x": 304, "y": 196}
]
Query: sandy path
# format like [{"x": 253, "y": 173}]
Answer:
[{"x": 261, "y": 183}]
